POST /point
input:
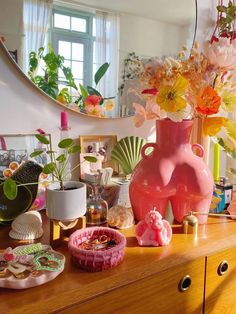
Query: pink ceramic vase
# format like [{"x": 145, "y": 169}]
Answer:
[{"x": 172, "y": 172}]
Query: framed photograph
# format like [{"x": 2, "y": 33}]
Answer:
[
  {"x": 15, "y": 149},
  {"x": 102, "y": 145}
]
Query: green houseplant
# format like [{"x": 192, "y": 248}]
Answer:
[
  {"x": 49, "y": 81},
  {"x": 65, "y": 200}
]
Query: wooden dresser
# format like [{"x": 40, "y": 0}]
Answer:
[{"x": 149, "y": 279}]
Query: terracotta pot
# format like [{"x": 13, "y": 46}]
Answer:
[
  {"x": 172, "y": 172},
  {"x": 66, "y": 205}
]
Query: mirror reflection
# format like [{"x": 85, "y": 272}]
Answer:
[{"x": 88, "y": 55}]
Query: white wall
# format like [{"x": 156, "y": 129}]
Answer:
[{"x": 10, "y": 22}]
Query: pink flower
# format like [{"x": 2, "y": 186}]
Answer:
[
  {"x": 8, "y": 255},
  {"x": 151, "y": 111},
  {"x": 94, "y": 110},
  {"x": 150, "y": 91},
  {"x": 222, "y": 53},
  {"x": 92, "y": 100}
]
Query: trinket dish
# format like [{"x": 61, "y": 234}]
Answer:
[
  {"x": 97, "y": 248},
  {"x": 28, "y": 266}
]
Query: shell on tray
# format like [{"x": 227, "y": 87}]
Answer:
[
  {"x": 27, "y": 226},
  {"x": 120, "y": 217}
]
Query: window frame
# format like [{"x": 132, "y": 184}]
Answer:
[{"x": 69, "y": 35}]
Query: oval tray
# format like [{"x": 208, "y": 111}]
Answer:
[{"x": 12, "y": 282}]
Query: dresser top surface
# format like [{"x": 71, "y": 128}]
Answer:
[{"x": 75, "y": 285}]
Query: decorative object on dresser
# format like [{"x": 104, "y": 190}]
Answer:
[
  {"x": 28, "y": 266},
  {"x": 120, "y": 217},
  {"x": 19, "y": 191},
  {"x": 102, "y": 145},
  {"x": 172, "y": 172},
  {"x": 153, "y": 230},
  {"x": 27, "y": 226},
  {"x": 97, "y": 248},
  {"x": 127, "y": 152},
  {"x": 200, "y": 86}
]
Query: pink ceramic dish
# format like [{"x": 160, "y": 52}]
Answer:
[
  {"x": 95, "y": 260},
  {"x": 11, "y": 282}
]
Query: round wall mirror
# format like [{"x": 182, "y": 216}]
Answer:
[{"x": 90, "y": 33}]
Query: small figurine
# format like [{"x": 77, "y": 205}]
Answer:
[{"x": 153, "y": 231}]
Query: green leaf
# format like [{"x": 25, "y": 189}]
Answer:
[
  {"x": 49, "y": 168},
  {"x": 50, "y": 152},
  {"x": 36, "y": 153},
  {"x": 93, "y": 91},
  {"x": 100, "y": 72},
  {"x": 10, "y": 189},
  {"x": 67, "y": 142},
  {"x": 83, "y": 91},
  {"x": 221, "y": 8},
  {"x": 74, "y": 149},
  {"x": 90, "y": 159},
  {"x": 233, "y": 171},
  {"x": 42, "y": 139},
  {"x": 61, "y": 158}
]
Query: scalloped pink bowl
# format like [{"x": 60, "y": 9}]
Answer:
[{"x": 96, "y": 260}]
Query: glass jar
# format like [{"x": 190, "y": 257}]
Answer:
[{"x": 97, "y": 208}]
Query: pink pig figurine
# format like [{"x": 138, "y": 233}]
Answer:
[{"x": 153, "y": 231}]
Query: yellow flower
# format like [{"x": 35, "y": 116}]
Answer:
[
  {"x": 61, "y": 99},
  {"x": 231, "y": 130},
  {"x": 213, "y": 125},
  {"x": 109, "y": 105},
  {"x": 228, "y": 99},
  {"x": 170, "y": 97}
]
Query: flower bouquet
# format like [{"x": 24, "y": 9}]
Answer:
[{"x": 199, "y": 85}]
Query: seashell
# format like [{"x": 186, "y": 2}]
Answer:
[
  {"x": 27, "y": 226},
  {"x": 120, "y": 217},
  {"x": 127, "y": 152}
]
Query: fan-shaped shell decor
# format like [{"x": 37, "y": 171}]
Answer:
[
  {"x": 120, "y": 217},
  {"x": 127, "y": 152},
  {"x": 27, "y": 226}
]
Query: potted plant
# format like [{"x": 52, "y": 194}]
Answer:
[{"x": 65, "y": 200}]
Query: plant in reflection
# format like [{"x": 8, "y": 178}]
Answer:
[
  {"x": 50, "y": 64},
  {"x": 87, "y": 100},
  {"x": 90, "y": 100}
]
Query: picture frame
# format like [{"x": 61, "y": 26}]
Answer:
[
  {"x": 16, "y": 148},
  {"x": 103, "y": 145}
]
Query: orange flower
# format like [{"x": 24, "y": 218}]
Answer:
[
  {"x": 208, "y": 101},
  {"x": 213, "y": 125}
]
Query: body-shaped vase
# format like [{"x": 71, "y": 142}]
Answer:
[{"x": 172, "y": 172}]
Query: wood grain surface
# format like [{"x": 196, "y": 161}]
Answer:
[{"x": 141, "y": 265}]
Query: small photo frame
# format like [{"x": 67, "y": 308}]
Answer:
[
  {"x": 102, "y": 145},
  {"x": 16, "y": 149}
]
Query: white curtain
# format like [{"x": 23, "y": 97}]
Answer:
[
  {"x": 36, "y": 18},
  {"x": 107, "y": 50}
]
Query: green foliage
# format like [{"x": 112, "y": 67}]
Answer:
[
  {"x": 226, "y": 19},
  {"x": 10, "y": 189},
  {"x": 49, "y": 81},
  {"x": 57, "y": 165},
  {"x": 101, "y": 72}
]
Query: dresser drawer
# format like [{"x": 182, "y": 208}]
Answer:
[
  {"x": 157, "y": 294},
  {"x": 220, "y": 293}
]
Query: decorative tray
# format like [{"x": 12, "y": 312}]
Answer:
[{"x": 28, "y": 266}]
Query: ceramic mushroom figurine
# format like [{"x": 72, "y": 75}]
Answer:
[{"x": 153, "y": 230}]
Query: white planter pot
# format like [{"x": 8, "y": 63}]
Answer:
[{"x": 68, "y": 204}]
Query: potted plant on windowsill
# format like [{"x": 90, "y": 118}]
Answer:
[{"x": 65, "y": 200}]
